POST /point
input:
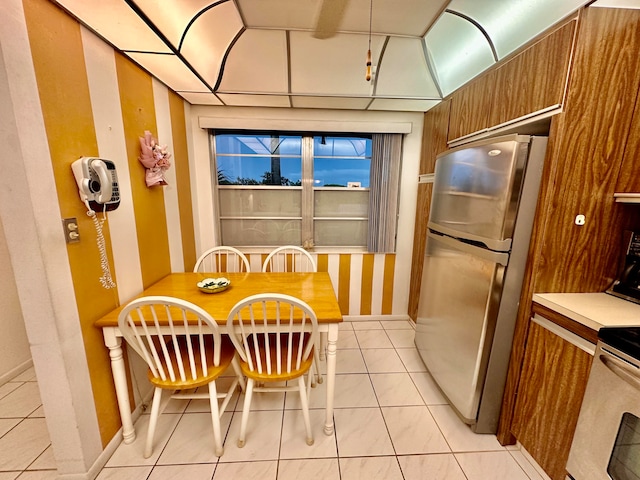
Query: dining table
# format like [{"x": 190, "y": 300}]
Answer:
[{"x": 314, "y": 288}]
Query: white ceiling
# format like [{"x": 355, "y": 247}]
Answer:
[{"x": 284, "y": 53}]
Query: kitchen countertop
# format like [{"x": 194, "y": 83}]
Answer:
[{"x": 594, "y": 310}]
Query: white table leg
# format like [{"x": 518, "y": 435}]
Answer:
[
  {"x": 114, "y": 343},
  {"x": 332, "y": 340},
  {"x": 323, "y": 345}
]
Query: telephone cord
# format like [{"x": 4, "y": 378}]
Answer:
[{"x": 106, "y": 280}]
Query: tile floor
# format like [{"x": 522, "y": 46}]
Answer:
[
  {"x": 25, "y": 447},
  {"x": 391, "y": 423}
]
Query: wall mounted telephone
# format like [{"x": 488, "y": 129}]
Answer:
[
  {"x": 98, "y": 188},
  {"x": 97, "y": 183}
]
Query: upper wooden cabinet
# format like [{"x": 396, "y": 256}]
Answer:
[
  {"x": 629, "y": 179},
  {"x": 534, "y": 80},
  {"x": 470, "y": 107}
]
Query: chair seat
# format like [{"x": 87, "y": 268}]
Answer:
[
  {"x": 272, "y": 352},
  {"x": 227, "y": 353}
]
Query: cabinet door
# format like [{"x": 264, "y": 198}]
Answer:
[
  {"x": 470, "y": 107},
  {"x": 553, "y": 381},
  {"x": 629, "y": 180},
  {"x": 534, "y": 80}
]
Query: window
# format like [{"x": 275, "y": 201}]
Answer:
[{"x": 278, "y": 188}]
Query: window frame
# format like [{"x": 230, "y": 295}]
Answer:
[{"x": 308, "y": 189}]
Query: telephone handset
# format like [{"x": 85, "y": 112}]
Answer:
[
  {"x": 97, "y": 183},
  {"x": 98, "y": 187}
]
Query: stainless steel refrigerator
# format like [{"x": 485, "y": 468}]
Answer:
[{"x": 483, "y": 203}]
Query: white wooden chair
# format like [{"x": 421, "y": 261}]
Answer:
[
  {"x": 289, "y": 259},
  {"x": 222, "y": 259},
  {"x": 182, "y": 345},
  {"x": 267, "y": 331}
]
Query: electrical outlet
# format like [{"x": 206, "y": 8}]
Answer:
[{"x": 71, "y": 232}]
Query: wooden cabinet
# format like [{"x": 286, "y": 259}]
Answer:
[
  {"x": 587, "y": 143},
  {"x": 629, "y": 178},
  {"x": 470, "y": 107},
  {"x": 531, "y": 82},
  {"x": 434, "y": 141},
  {"x": 549, "y": 401},
  {"x": 535, "y": 80}
]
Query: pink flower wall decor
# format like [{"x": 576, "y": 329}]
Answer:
[{"x": 155, "y": 159}]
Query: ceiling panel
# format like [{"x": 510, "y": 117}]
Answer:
[
  {"x": 460, "y": 57},
  {"x": 208, "y": 39},
  {"x": 172, "y": 16},
  {"x": 511, "y": 24},
  {"x": 391, "y": 17},
  {"x": 257, "y": 63},
  {"x": 402, "y": 105},
  {"x": 408, "y": 17},
  {"x": 249, "y": 50},
  {"x": 403, "y": 70},
  {"x": 170, "y": 70},
  {"x": 339, "y": 103},
  {"x": 331, "y": 66},
  {"x": 118, "y": 23},
  {"x": 196, "y": 98},
  {"x": 283, "y": 14},
  {"x": 241, "y": 100}
]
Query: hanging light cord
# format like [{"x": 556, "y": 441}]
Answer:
[{"x": 368, "y": 74}]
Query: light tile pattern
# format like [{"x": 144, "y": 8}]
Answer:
[{"x": 391, "y": 423}]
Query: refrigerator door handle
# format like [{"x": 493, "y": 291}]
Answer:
[
  {"x": 495, "y": 257},
  {"x": 492, "y": 243}
]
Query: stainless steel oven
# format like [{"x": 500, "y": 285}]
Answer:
[{"x": 606, "y": 444}]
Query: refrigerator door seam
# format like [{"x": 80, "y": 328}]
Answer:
[
  {"x": 501, "y": 258},
  {"x": 499, "y": 245}
]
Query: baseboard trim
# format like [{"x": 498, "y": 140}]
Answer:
[
  {"x": 369, "y": 318},
  {"x": 14, "y": 372},
  {"x": 104, "y": 457}
]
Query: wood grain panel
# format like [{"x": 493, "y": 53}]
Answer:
[
  {"x": 434, "y": 141},
  {"x": 629, "y": 178},
  {"x": 572, "y": 326},
  {"x": 535, "y": 79},
  {"x": 470, "y": 106},
  {"x": 549, "y": 401},
  {"x": 584, "y": 156},
  {"x": 588, "y": 154}
]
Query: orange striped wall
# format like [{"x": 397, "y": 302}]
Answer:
[
  {"x": 64, "y": 95},
  {"x": 183, "y": 179},
  {"x": 353, "y": 275},
  {"x": 64, "y": 91},
  {"x": 138, "y": 115}
]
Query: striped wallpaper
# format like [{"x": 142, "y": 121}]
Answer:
[
  {"x": 363, "y": 282},
  {"x": 96, "y": 102}
]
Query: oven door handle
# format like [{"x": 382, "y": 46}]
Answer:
[{"x": 627, "y": 372}]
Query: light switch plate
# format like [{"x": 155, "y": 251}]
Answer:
[{"x": 71, "y": 233}]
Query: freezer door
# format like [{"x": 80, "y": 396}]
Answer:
[
  {"x": 461, "y": 288},
  {"x": 476, "y": 190}
]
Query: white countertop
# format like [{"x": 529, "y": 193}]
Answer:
[{"x": 594, "y": 310}]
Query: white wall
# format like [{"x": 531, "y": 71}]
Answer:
[{"x": 15, "y": 356}]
